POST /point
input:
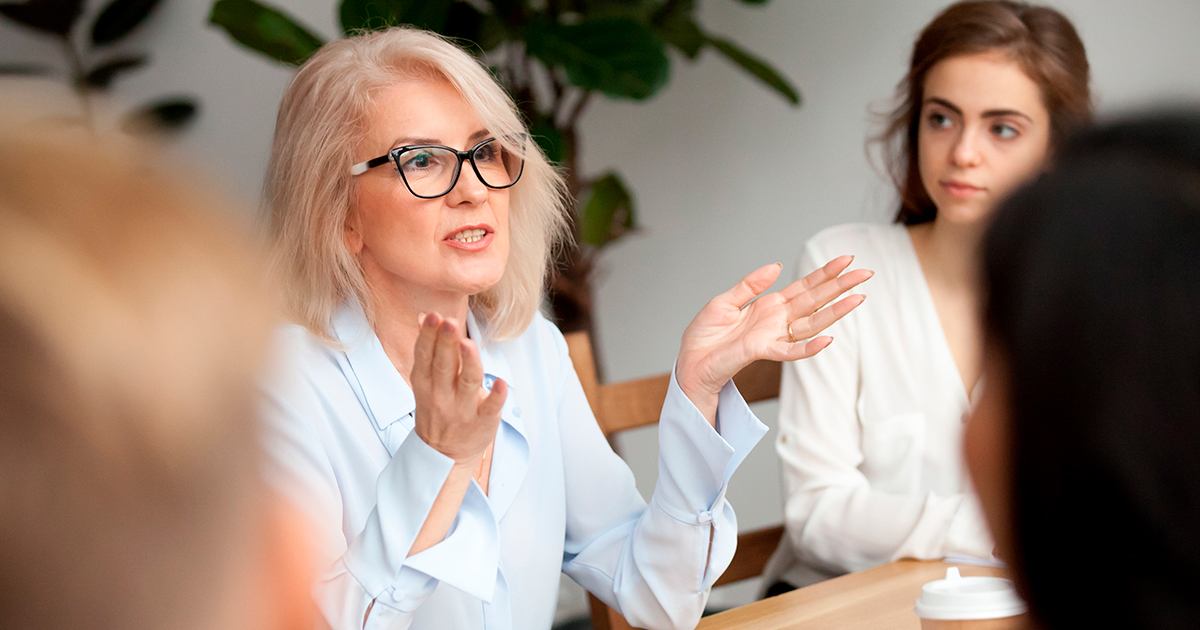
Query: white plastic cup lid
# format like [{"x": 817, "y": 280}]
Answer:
[{"x": 958, "y": 597}]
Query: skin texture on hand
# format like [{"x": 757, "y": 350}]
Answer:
[
  {"x": 734, "y": 329},
  {"x": 454, "y": 414}
]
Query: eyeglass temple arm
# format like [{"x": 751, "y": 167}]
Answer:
[{"x": 363, "y": 167}]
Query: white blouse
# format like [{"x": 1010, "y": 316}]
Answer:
[
  {"x": 340, "y": 443},
  {"x": 870, "y": 429}
]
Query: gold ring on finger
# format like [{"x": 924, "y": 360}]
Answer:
[{"x": 790, "y": 335}]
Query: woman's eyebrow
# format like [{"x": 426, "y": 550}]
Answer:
[
  {"x": 411, "y": 140},
  {"x": 991, "y": 113}
]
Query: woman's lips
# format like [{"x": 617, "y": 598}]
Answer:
[
  {"x": 961, "y": 189},
  {"x": 470, "y": 239}
]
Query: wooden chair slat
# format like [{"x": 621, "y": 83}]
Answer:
[
  {"x": 753, "y": 550},
  {"x": 759, "y": 381},
  {"x": 632, "y": 404}
]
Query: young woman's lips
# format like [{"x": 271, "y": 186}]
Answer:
[
  {"x": 470, "y": 239},
  {"x": 961, "y": 189}
]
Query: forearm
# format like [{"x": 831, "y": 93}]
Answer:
[
  {"x": 445, "y": 508},
  {"x": 849, "y": 529}
]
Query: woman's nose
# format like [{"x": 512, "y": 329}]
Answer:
[
  {"x": 468, "y": 188},
  {"x": 966, "y": 150}
]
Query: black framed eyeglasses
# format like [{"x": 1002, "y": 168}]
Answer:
[{"x": 430, "y": 170}]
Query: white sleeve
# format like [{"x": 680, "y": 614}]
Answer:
[
  {"x": 649, "y": 561},
  {"x": 835, "y": 520}
]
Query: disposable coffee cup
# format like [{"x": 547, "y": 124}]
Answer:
[{"x": 970, "y": 603}]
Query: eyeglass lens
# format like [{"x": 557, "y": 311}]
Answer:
[{"x": 429, "y": 171}]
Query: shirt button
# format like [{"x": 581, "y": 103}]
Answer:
[{"x": 517, "y": 411}]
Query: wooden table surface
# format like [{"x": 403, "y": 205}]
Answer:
[{"x": 881, "y": 598}]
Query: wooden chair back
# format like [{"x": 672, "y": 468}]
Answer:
[{"x": 638, "y": 403}]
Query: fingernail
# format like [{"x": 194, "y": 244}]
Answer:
[
  {"x": 420, "y": 319},
  {"x": 780, "y": 265}
]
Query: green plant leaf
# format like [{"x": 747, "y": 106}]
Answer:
[
  {"x": 265, "y": 30},
  {"x": 119, "y": 18},
  {"x": 549, "y": 138},
  {"x": 464, "y": 21},
  {"x": 165, "y": 115},
  {"x": 607, "y": 211},
  {"x": 683, "y": 33},
  {"x": 674, "y": 23},
  {"x": 758, "y": 68},
  {"x": 367, "y": 15},
  {"x": 55, "y": 17},
  {"x": 621, "y": 57},
  {"x": 102, "y": 75},
  {"x": 370, "y": 15}
]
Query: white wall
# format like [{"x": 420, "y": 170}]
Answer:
[{"x": 727, "y": 176}]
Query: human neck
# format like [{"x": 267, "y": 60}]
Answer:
[
  {"x": 949, "y": 253},
  {"x": 396, "y": 311}
]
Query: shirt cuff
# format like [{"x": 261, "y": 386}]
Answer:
[
  {"x": 695, "y": 461},
  {"x": 407, "y": 488}
]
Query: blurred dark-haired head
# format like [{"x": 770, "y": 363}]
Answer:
[{"x": 1092, "y": 316}]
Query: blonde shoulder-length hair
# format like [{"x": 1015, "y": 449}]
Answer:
[{"x": 310, "y": 192}]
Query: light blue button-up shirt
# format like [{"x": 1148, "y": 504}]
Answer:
[{"x": 340, "y": 443}]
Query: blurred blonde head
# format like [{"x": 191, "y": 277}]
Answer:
[
  {"x": 133, "y": 325},
  {"x": 310, "y": 192}
]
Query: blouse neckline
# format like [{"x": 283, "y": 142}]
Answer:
[{"x": 931, "y": 316}]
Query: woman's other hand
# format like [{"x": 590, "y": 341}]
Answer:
[
  {"x": 454, "y": 414},
  {"x": 734, "y": 330}
]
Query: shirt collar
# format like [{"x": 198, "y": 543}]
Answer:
[
  {"x": 386, "y": 394},
  {"x": 494, "y": 364}
]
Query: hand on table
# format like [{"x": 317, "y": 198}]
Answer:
[{"x": 731, "y": 331}]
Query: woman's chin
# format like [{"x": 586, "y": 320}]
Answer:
[
  {"x": 476, "y": 285},
  {"x": 963, "y": 213}
]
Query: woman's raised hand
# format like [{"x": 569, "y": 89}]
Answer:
[
  {"x": 454, "y": 414},
  {"x": 734, "y": 329}
]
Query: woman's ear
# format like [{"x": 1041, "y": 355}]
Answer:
[{"x": 351, "y": 235}]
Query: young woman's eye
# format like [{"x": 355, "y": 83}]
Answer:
[
  {"x": 1005, "y": 132},
  {"x": 941, "y": 121}
]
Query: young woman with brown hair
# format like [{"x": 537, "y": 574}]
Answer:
[{"x": 869, "y": 431}]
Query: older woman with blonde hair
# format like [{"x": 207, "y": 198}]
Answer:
[{"x": 428, "y": 417}]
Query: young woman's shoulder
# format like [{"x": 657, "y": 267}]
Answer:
[
  {"x": 873, "y": 245},
  {"x": 852, "y": 238}
]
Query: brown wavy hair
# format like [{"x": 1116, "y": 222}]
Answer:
[{"x": 1040, "y": 39}]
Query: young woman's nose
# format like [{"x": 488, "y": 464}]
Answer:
[{"x": 965, "y": 152}]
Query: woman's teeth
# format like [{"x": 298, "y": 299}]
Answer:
[{"x": 469, "y": 236}]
